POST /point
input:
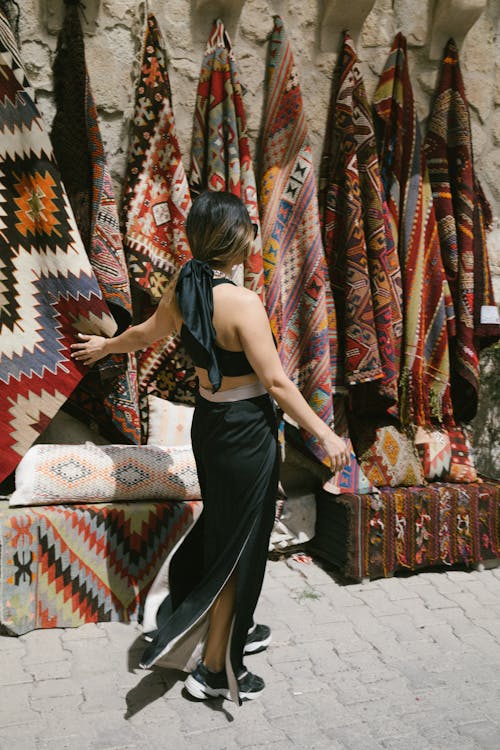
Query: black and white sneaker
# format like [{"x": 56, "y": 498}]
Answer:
[
  {"x": 258, "y": 639},
  {"x": 202, "y": 683}
]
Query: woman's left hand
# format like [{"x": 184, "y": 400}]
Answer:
[{"x": 90, "y": 349}]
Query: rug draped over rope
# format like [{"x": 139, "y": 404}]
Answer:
[
  {"x": 156, "y": 202},
  {"x": 424, "y": 379},
  {"x": 298, "y": 297},
  {"x": 220, "y": 153},
  {"x": 109, "y": 392},
  {"x": 48, "y": 290},
  {"x": 459, "y": 206},
  {"x": 362, "y": 258}
]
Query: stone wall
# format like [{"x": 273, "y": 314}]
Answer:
[{"x": 114, "y": 34}]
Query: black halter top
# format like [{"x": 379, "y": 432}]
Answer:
[{"x": 195, "y": 299}]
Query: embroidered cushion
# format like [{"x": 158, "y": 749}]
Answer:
[
  {"x": 169, "y": 423},
  {"x": 462, "y": 467},
  {"x": 101, "y": 473},
  {"x": 434, "y": 449},
  {"x": 388, "y": 457}
]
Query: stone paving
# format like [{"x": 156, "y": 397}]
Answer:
[{"x": 405, "y": 663}]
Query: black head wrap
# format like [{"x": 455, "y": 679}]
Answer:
[{"x": 196, "y": 303}]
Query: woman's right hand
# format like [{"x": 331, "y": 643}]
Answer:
[
  {"x": 336, "y": 450},
  {"x": 89, "y": 349}
]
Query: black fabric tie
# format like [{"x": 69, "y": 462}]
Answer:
[{"x": 196, "y": 303}]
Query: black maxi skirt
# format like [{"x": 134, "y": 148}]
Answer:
[{"x": 236, "y": 451}]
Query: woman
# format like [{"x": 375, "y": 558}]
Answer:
[{"x": 215, "y": 575}]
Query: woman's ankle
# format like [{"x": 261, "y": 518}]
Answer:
[{"x": 214, "y": 666}]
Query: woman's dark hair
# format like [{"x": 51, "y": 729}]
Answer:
[{"x": 219, "y": 229}]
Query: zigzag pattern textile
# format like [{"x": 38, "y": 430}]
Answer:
[
  {"x": 156, "y": 202},
  {"x": 362, "y": 259},
  {"x": 109, "y": 393},
  {"x": 448, "y": 147},
  {"x": 220, "y": 153},
  {"x": 428, "y": 310},
  {"x": 66, "y": 565},
  {"x": 48, "y": 290},
  {"x": 298, "y": 297}
]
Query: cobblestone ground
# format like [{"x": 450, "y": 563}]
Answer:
[{"x": 406, "y": 663}]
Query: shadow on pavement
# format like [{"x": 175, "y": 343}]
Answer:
[{"x": 157, "y": 682}]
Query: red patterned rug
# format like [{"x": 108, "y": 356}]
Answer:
[
  {"x": 424, "y": 384},
  {"x": 156, "y": 201},
  {"x": 362, "y": 258},
  {"x": 457, "y": 201},
  {"x": 48, "y": 290}
]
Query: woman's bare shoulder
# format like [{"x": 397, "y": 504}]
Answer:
[{"x": 241, "y": 298}]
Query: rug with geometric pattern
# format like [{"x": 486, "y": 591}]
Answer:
[
  {"x": 48, "y": 290},
  {"x": 63, "y": 566}
]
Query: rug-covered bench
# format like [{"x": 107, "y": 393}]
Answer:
[
  {"x": 66, "y": 565},
  {"x": 408, "y": 528}
]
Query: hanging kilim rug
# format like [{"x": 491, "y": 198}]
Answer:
[
  {"x": 156, "y": 202},
  {"x": 424, "y": 378},
  {"x": 448, "y": 147},
  {"x": 361, "y": 255},
  {"x": 298, "y": 297},
  {"x": 109, "y": 393},
  {"x": 48, "y": 290},
  {"x": 220, "y": 152}
]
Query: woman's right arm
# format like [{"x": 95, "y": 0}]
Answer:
[
  {"x": 164, "y": 321},
  {"x": 256, "y": 339}
]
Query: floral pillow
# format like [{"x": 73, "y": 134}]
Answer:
[
  {"x": 434, "y": 449},
  {"x": 55, "y": 474},
  {"x": 387, "y": 456},
  {"x": 169, "y": 423}
]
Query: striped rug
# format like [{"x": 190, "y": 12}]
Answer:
[{"x": 298, "y": 297}]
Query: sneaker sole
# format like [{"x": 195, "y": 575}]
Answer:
[
  {"x": 203, "y": 692},
  {"x": 254, "y": 648}
]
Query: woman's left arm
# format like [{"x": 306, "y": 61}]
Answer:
[{"x": 163, "y": 322}]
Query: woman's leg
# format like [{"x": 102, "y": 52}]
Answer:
[{"x": 221, "y": 617}]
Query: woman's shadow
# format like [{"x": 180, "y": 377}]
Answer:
[{"x": 157, "y": 683}]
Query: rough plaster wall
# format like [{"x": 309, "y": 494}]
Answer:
[{"x": 114, "y": 35}]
